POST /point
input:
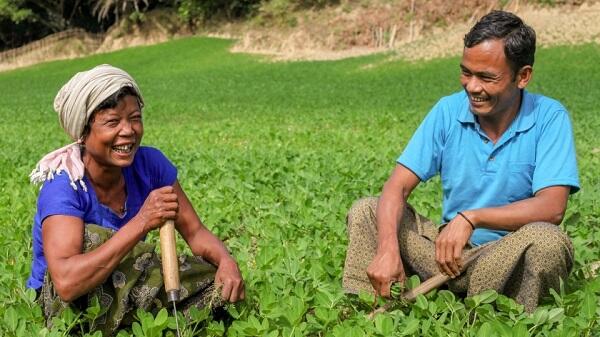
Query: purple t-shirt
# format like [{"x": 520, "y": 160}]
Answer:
[{"x": 150, "y": 170}]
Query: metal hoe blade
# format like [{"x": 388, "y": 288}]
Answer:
[{"x": 176, "y": 319}]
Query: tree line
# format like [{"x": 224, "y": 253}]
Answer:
[{"x": 23, "y": 21}]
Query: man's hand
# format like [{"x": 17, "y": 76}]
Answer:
[
  {"x": 230, "y": 278},
  {"x": 385, "y": 269},
  {"x": 449, "y": 245}
]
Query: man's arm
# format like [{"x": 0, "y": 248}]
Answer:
[
  {"x": 386, "y": 266},
  {"x": 548, "y": 205}
]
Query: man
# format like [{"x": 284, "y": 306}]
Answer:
[{"x": 507, "y": 163}]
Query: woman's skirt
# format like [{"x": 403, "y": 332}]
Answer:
[{"x": 137, "y": 283}]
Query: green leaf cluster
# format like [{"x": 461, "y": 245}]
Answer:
[
  {"x": 272, "y": 155},
  {"x": 14, "y": 10}
]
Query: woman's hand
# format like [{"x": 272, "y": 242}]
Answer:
[
  {"x": 160, "y": 205},
  {"x": 228, "y": 277}
]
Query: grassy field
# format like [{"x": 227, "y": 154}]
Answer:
[{"x": 272, "y": 156}]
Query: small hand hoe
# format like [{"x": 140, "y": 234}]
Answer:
[{"x": 427, "y": 286}]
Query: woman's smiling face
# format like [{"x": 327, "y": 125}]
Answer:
[{"x": 115, "y": 134}]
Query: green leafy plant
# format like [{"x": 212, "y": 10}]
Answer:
[{"x": 272, "y": 155}]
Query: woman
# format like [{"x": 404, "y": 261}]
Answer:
[{"x": 100, "y": 197}]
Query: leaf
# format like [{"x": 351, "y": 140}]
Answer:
[
  {"x": 447, "y": 295},
  {"x": 540, "y": 316},
  {"x": 520, "y": 330},
  {"x": 487, "y": 296},
  {"x": 233, "y": 311},
  {"x": 215, "y": 329},
  {"x": 94, "y": 310},
  {"x": 396, "y": 289},
  {"x": 295, "y": 310},
  {"x": 508, "y": 305},
  {"x": 411, "y": 326},
  {"x": 412, "y": 282},
  {"x": 501, "y": 328},
  {"x": 556, "y": 315},
  {"x": 366, "y": 297},
  {"x": 485, "y": 330},
  {"x": 432, "y": 308},
  {"x": 161, "y": 318},
  {"x": 384, "y": 324},
  {"x": 322, "y": 314},
  {"x": 31, "y": 295},
  {"x": 137, "y": 330},
  {"x": 421, "y": 302},
  {"x": 588, "y": 307},
  {"x": 273, "y": 333},
  {"x": 10, "y": 318},
  {"x": 255, "y": 323},
  {"x": 197, "y": 315}
]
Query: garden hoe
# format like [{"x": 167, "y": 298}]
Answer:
[
  {"x": 428, "y": 285},
  {"x": 170, "y": 266}
]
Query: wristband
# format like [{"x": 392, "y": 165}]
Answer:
[{"x": 465, "y": 217}]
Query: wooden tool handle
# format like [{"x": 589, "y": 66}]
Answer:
[
  {"x": 438, "y": 279},
  {"x": 429, "y": 284},
  {"x": 170, "y": 266},
  {"x": 425, "y": 287}
]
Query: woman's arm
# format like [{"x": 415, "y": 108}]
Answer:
[
  {"x": 75, "y": 273},
  {"x": 204, "y": 243}
]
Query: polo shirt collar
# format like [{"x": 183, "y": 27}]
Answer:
[
  {"x": 524, "y": 121},
  {"x": 465, "y": 115},
  {"x": 525, "y": 118}
]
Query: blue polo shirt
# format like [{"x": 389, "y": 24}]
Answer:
[{"x": 535, "y": 152}]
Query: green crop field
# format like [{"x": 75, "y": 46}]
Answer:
[{"x": 272, "y": 156}]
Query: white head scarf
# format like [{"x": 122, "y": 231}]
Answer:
[{"x": 75, "y": 103}]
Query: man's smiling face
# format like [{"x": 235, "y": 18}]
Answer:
[{"x": 489, "y": 80}]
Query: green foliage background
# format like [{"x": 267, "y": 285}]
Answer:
[{"x": 272, "y": 155}]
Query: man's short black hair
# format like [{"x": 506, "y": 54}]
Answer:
[{"x": 519, "y": 38}]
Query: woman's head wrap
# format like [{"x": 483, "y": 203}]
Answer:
[{"x": 75, "y": 103}]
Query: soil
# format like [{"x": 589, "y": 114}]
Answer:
[
  {"x": 553, "y": 26},
  {"x": 430, "y": 30},
  {"x": 412, "y": 30}
]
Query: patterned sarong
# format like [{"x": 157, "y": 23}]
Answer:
[
  {"x": 523, "y": 265},
  {"x": 136, "y": 283}
]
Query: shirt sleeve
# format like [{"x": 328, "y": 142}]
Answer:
[
  {"x": 160, "y": 169},
  {"x": 423, "y": 153},
  {"x": 57, "y": 197},
  {"x": 556, "y": 162}
]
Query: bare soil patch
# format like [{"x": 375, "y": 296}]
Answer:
[
  {"x": 428, "y": 30},
  {"x": 564, "y": 25}
]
